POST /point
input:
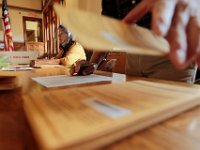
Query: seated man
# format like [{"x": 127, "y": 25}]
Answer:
[{"x": 70, "y": 50}]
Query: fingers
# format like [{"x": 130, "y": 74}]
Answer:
[
  {"x": 177, "y": 36},
  {"x": 163, "y": 12},
  {"x": 81, "y": 67},
  {"x": 178, "y": 20},
  {"x": 89, "y": 70},
  {"x": 76, "y": 67},
  {"x": 138, "y": 12},
  {"x": 70, "y": 71},
  {"x": 193, "y": 33}
]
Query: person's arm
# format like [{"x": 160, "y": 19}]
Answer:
[
  {"x": 85, "y": 68},
  {"x": 75, "y": 52},
  {"x": 179, "y": 22},
  {"x": 59, "y": 54}
]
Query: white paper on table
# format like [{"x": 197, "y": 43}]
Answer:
[
  {"x": 16, "y": 68},
  {"x": 63, "y": 80}
]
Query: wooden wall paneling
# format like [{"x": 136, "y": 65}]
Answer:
[
  {"x": 44, "y": 29},
  {"x": 48, "y": 32},
  {"x": 51, "y": 31},
  {"x": 18, "y": 46},
  {"x": 36, "y": 46},
  {"x": 57, "y": 24},
  {"x": 51, "y": 22}
]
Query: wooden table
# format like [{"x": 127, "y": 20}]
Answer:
[{"x": 180, "y": 132}]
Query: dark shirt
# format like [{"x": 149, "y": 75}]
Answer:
[{"x": 120, "y": 8}]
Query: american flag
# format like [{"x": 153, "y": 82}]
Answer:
[{"x": 8, "y": 40}]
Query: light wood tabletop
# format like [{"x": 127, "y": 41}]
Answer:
[{"x": 179, "y": 132}]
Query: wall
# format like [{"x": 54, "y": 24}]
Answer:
[
  {"x": 32, "y": 4},
  {"x": 16, "y": 16},
  {"x": 88, "y": 5},
  {"x": 72, "y": 3}
]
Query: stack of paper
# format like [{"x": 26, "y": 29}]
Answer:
[{"x": 92, "y": 117}]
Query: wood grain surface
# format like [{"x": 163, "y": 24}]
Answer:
[
  {"x": 60, "y": 118},
  {"x": 101, "y": 33},
  {"x": 179, "y": 132}
]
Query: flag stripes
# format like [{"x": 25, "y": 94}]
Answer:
[{"x": 8, "y": 39}]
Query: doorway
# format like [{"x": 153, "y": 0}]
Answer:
[{"x": 32, "y": 29}]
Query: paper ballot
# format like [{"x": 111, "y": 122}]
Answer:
[
  {"x": 63, "y": 80},
  {"x": 101, "y": 33}
]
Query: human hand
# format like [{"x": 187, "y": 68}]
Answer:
[
  {"x": 179, "y": 22},
  {"x": 82, "y": 67}
]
